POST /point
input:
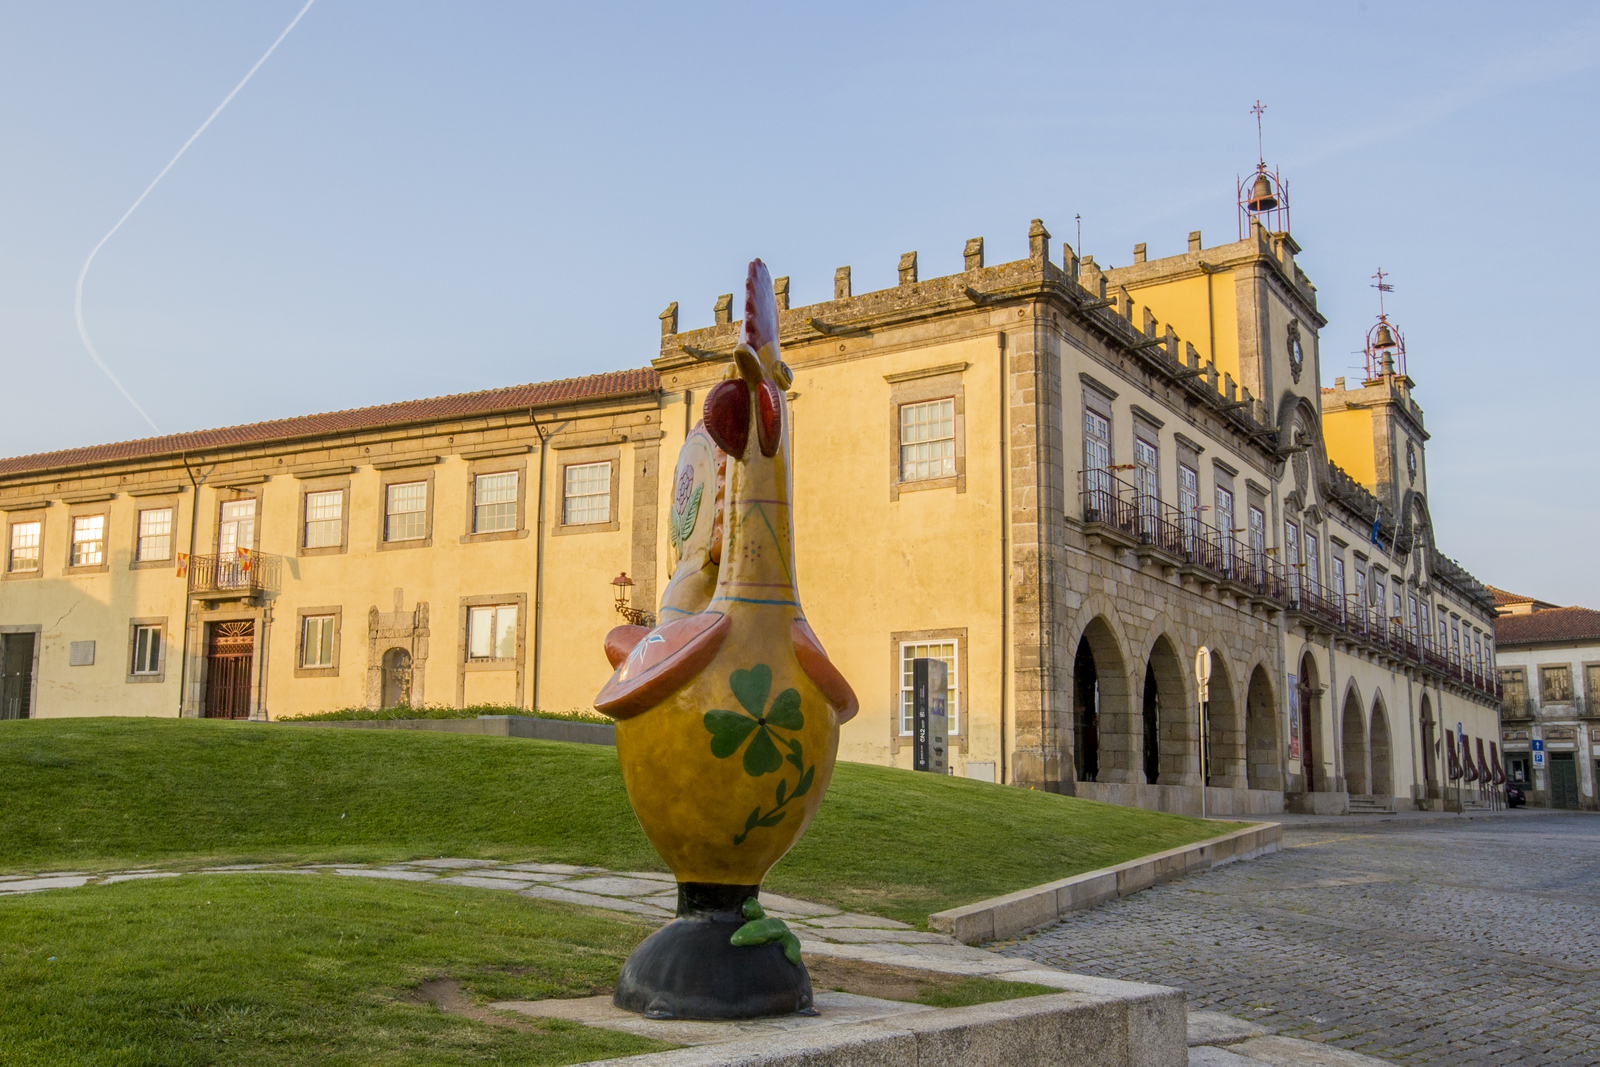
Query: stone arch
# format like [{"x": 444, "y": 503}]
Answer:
[
  {"x": 1102, "y": 725},
  {"x": 1430, "y": 740},
  {"x": 1353, "y": 735},
  {"x": 1313, "y": 771},
  {"x": 1169, "y": 731},
  {"x": 1264, "y": 753},
  {"x": 1380, "y": 752},
  {"x": 396, "y": 678},
  {"x": 1226, "y": 754}
]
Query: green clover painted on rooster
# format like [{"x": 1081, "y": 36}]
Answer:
[{"x": 730, "y": 729}]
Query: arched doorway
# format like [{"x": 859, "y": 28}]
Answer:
[
  {"x": 1085, "y": 715},
  {"x": 1102, "y": 725},
  {"x": 1378, "y": 749},
  {"x": 1353, "y": 732},
  {"x": 1312, "y": 773},
  {"x": 396, "y": 678},
  {"x": 1171, "y": 732},
  {"x": 1264, "y": 756},
  {"x": 1430, "y": 742},
  {"x": 1225, "y": 730}
]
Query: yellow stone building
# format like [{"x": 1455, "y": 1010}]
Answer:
[{"x": 1060, "y": 478}]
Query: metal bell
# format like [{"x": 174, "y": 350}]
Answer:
[
  {"x": 1261, "y": 195},
  {"x": 1385, "y": 336}
]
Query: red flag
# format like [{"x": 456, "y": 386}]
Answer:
[{"x": 183, "y": 564}]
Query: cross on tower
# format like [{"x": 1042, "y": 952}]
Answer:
[
  {"x": 1257, "y": 111},
  {"x": 1382, "y": 287}
]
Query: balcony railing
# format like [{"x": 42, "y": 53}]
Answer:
[
  {"x": 231, "y": 574},
  {"x": 1139, "y": 518}
]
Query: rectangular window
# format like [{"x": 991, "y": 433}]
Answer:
[
  {"x": 146, "y": 650},
  {"x": 1147, "y": 469},
  {"x": 1591, "y": 684},
  {"x": 88, "y": 540},
  {"x": 1225, "y": 525},
  {"x": 1313, "y": 560},
  {"x": 492, "y": 632},
  {"x": 1096, "y": 454},
  {"x": 1189, "y": 501},
  {"x": 1291, "y": 552},
  {"x": 940, "y": 650},
  {"x": 1377, "y": 594},
  {"x": 1336, "y": 576},
  {"x": 928, "y": 440},
  {"x": 588, "y": 494},
  {"x": 155, "y": 535},
  {"x": 24, "y": 546},
  {"x": 1361, "y": 587},
  {"x": 1455, "y": 640},
  {"x": 1396, "y": 615},
  {"x": 1258, "y": 534},
  {"x": 1412, "y": 618},
  {"x": 324, "y": 519},
  {"x": 1444, "y": 632},
  {"x": 316, "y": 645},
  {"x": 494, "y": 502},
  {"x": 1555, "y": 685},
  {"x": 1516, "y": 686},
  {"x": 405, "y": 514}
]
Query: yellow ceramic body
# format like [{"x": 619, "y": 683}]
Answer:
[{"x": 693, "y": 805}]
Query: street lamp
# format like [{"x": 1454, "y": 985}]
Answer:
[{"x": 620, "y": 586}]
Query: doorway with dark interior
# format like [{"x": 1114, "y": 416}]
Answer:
[{"x": 16, "y": 674}]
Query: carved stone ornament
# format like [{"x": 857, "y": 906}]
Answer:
[
  {"x": 1297, "y": 353},
  {"x": 728, "y": 713},
  {"x": 1411, "y": 461}
]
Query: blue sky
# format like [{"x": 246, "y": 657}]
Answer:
[{"x": 415, "y": 199}]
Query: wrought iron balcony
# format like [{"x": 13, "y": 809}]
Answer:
[
  {"x": 1118, "y": 510},
  {"x": 234, "y": 575}
]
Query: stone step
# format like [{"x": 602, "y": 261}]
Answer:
[{"x": 1366, "y": 805}]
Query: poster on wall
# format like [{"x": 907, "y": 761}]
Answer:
[{"x": 1294, "y": 719}]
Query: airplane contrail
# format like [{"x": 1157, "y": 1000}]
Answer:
[{"x": 83, "y": 331}]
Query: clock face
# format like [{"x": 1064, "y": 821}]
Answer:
[
  {"x": 1411, "y": 460},
  {"x": 1297, "y": 354}
]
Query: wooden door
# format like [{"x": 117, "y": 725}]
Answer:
[
  {"x": 230, "y": 654},
  {"x": 1563, "y": 781}
]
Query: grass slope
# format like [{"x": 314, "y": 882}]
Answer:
[
  {"x": 291, "y": 969},
  {"x": 103, "y": 793}
]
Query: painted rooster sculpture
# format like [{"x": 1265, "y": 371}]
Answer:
[{"x": 728, "y": 713}]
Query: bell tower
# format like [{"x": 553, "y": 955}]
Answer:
[{"x": 1263, "y": 197}]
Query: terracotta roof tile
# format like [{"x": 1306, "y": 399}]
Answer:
[
  {"x": 1554, "y": 624},
  {"x": 1502, "y": 598},
  {"x": 488, "y": 401}
]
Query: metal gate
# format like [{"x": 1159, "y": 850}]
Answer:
[{"x": 230, "y": 652}]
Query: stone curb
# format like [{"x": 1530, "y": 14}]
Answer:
[
  {"x": 1142, "y": 1029},
  {"x": 586, "y": 733},
  {"x": 1028, "y": 909}
]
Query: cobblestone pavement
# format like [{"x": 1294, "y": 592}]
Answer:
[{"x": 1476, "y": 942}]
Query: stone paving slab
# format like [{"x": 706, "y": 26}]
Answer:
[
  {"x": 1292, "y": 1052},
  {"x": 1215, "y": 1028},
  {"x": 594, "y": 900},
  {"x": 613, "y": 886},
  {"x": 833, "y": 1009},
  {"x": 1210, "y": 1056},
  {"x": 478, "y": 882},
  {"x": 446, "y": 862},
  {"x": 136, "y": 876},
  {"x": 848, "y": 919},
  {"x": 33, "y": 885},
  {"x": 397, "y": 876}
]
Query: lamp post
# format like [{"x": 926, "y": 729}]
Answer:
[{"x": 636, "y": 616}]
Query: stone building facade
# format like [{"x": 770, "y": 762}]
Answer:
[
  {"x": 1063, "y": 479},
  {"x": 1549, "y": 663}
]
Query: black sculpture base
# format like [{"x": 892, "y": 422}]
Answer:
[{"x": 688, "y": 969}]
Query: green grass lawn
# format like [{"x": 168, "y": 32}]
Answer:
[
  {"x": 249, "y": 969},
  {"x": 102, "y": 793}
]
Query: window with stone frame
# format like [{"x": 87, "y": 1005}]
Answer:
[
  {"x": 1591, "y": 687},
  {"x": 1224, "y": 521},
  {"x": 492, "y": 632},
  {"x": 324, "y": 519},
  {"x": 1258, "y": 535},
  {"x": 1336, "y": 577},
  {"x": 88, "y": 540},
  {"x": 146, "y": 650},
  {"x": 24, "y": 555},
  {"x": 1555, "y": 685},
  {"x": 316, "y": 644},
  {"x": 405, "y": 511},
  {"x": 494, "y": 503},
  {"x": 587, "y": 494},
  {"x": 928, "y": 440},
  {"x": 1515, "y": 683},
  {"x": 155, "y": 535},
  {"x": 946, "y": 651},
  {"x": 1097, "y": 457}
]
